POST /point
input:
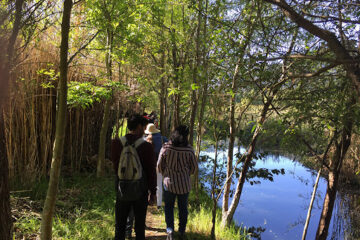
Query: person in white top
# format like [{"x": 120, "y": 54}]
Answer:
[{"x": 154, "y": 137}]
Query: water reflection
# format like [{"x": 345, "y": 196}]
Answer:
[{"x": 280, "y": 207}]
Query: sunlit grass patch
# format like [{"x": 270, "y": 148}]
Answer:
[
  {"x": 84, "y": 210},
  {"x": 200, "y": 220}
]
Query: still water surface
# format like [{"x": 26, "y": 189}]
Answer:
[{"x": 280, "y": 207}]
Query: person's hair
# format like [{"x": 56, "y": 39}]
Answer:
[
  {"x": 179, "y": 137},
  {"x": 134, "y": 120}
]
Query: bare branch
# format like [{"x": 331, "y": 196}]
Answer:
[
  {"x": 315, "y": 74},
  {"x": 83, "y": 47}
]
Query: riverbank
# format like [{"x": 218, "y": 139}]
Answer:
[{"x": 85, "y": 210}]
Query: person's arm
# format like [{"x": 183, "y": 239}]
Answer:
[
  {"x": 149, "y": 165},
  {"x": 193, "y": 162},
  {"x": 161, "y": 163},
  {"x": 116, "y": 148}
]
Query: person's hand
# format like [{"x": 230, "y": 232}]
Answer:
[{"x": 152, "y": 199}]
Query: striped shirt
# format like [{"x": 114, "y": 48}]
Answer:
[{"x": 176, "y": 164}]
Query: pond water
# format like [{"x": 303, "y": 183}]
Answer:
[{"x": 280, "y": 207}]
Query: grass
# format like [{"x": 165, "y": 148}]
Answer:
[
  {"x": 200, "y": 218},
  {"x": 85, "y": 210}
]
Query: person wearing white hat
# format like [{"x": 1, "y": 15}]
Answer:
[{"x": 154, "y": 136}]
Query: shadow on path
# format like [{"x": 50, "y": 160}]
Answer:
[
  {"x": 189, "y": 236},
  {"x": 156, "y": 229}
]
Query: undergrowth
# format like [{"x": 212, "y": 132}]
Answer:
[{"x": 85, "y": 210}]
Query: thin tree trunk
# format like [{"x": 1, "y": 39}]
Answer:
[
  {"x": 230, "y": 155},
  {"x": 310, "y": 206},
  {"x": 176, "y": 66},
  {"x": 203, "y": 102},
  {"x": 194, "y": 95},
  {"x": 227, "y": 218},
  {"x": 213, "y": 187},
  {"x": 100, "y": 170},
  {"x": 102, "y": 142},
  {"x": 163, "y": 122},
  {"x": 199, "y": 135},
  {"x": 225, "y": 205},
  {"x": 49, "y": 205},
  {"x": 194, "y": 106}
]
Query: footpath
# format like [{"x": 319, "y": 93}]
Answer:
[{"x": 155, "y": 224}]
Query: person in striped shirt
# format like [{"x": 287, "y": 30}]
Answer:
[{"x": 176, "y": 163}]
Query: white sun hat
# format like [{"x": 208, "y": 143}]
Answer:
[{"x": 150, "y": 129}]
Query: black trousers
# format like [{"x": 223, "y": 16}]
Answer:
[{"x": 122, "y": 209}]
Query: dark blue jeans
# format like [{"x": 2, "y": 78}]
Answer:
[{"x": 169, "y": 199}]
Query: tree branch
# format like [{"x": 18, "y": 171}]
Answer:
[
  {"x": 326, "y": 35},
  {"x": 315, "y": 74},
  {"x": 83, "y": 47}
]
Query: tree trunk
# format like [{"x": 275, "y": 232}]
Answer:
[
  {"x": 334, "y": 174},
  {"x": 228, "y": 216},
  {"x": 49, "y": 205},
  {"x": 213, "y": 187},
  {"x": 230, "y": 155},
  {"x": 5, "y": 68},
  {"x": 311, "y": 204},
  {"x": 100, "y": 170},
  {"x": 15, "y": 31},
  {"x": 203, "y": 102},
  {"x": 194, "y": 95},
  {"x": 176, "y": 66},
  {"x": 5, "y": 211},
  {"x": 328, "y": 206},
  {"x": 163, "y": 122},
  {"x": 194, "y": 106}
]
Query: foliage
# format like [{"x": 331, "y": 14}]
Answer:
[
  {"x": 85, "y": 94},
  {"x": 254, "y": 174}
]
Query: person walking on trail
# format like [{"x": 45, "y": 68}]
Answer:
[
  {"x": 176, "y": 163},
  {"x": 157, "y": 140},
  {"x": 135, "y": 167}
]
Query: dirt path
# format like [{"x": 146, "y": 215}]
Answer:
[{"x": 155, "y": 224}]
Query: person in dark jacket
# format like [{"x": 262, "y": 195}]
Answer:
[
  {"x": 176, "y": 163},
  {"x": 136, "y": 125}
]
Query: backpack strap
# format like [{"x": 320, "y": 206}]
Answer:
[
  {"x": 136, "y": 144},
  {"x": 123, "y": 141}
]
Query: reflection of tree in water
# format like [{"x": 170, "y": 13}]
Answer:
[
  {"x": 256, "y": 232},
  {"x": 300, "y": 221},
  {"x": 346, "y": 217}
]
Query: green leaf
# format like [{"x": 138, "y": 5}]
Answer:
[
  {"x": 194, "y": 86},
  {"x": 253, "y": 128}
]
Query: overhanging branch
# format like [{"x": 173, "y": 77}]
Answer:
[{"x": 315, "y": 74}]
